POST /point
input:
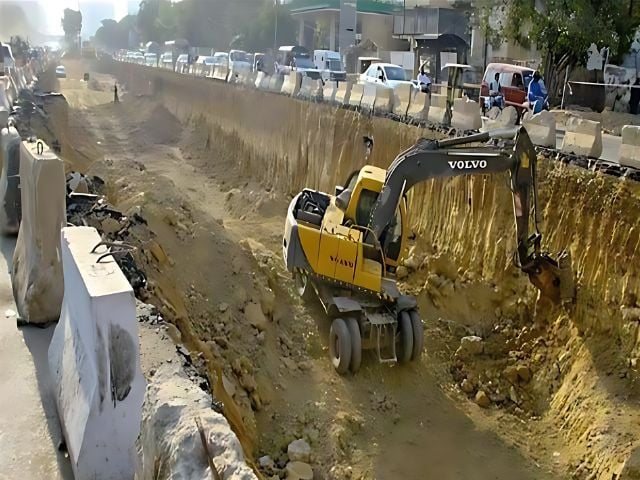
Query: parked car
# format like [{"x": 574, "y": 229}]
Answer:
[
  {"x": 514, "y": 82},
  {"x": 386, "y": 74},
  {"x": 61, "y": 71},
  {"x": 239, "y": 62},
  {"x": 329, "y": 64},
  {"x": 258, "y": 62},
  {"x": 182, "y": 63},
  {"x": 151, "y": 59},
  {"x": 296, "y": 59}
]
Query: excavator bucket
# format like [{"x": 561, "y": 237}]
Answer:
[{"x": 554, "y": 278}]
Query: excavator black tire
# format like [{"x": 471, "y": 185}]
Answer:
[
  {"x": 340, "y": 346},
  {"x": 418, "y": 335},
  {"x": 356, "y": 344},
  {"x": 405, "y": 338}
]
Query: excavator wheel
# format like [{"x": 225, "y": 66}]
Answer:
[
  {"x": 340, "y": 346},
  {"x": 405, "y": 338},
  {"x": 303, "y": 285},
  {"x": 356, "y": 344},
  {"x": 418, "y": 335}
]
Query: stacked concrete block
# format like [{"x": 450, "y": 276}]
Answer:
[
  {"x": 630, "y": 147},
  {"x": 402, "y": 99},
  {"x": 94, "y": 361},
  {"x": 355, "y": 97},
  {"x": 582, "y": 137},
  {"x": 541, "y": 128},
  {"x": 10, "y": 201},
  {"x": 497, "y": 118},
  {"x": 466, "y": 114},
  {"x": 36, "y": 276}
]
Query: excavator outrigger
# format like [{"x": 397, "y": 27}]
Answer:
[{"x": 346, "y": 247}]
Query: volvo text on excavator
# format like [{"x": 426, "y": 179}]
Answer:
[{"x": 346, "y": 247}]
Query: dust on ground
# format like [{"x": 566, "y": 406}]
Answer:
[{"x": 214, "y": 244}]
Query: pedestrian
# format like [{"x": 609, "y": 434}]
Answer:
[
  {"x": 495, "y": 93},
  {"x": 115, "y": 93},
  {"x": 635, "y": 97},
  {"x": 537, "y": 93},
  {"x": 424, "y": 82}
]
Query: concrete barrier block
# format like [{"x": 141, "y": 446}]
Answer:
[
  {"x": 310, "y": 89},
  {"x": 368, "y": 101},
  {"x": 36, "y": 275},
  {"x": 259, "y": 79},
  {"x": 384, "y": 100},
  {"x": 541, "y": 128},
  {"x": 329, "y": 92},
  {"x": 10, "y": 201},
  {"x": 221, "y": 72},
  {"x": 94, "y": 361},
  {"x": 630, "y": 147},
  {"x": 438, "y": 109},
  {"x": 497, "y": 118},
  {"x": 4, "y": 113},
  {"x": 291, "y": 84},
  {"x": 343, "y": 93},
  {"x": 402, "y": 99},
  {"x": 275, "y": 83},
  {"x": 582, "y": 137},
  {"x": 355, "y": 97},
  {"x": 466, "y": 114},
  {"x": 419, "y": 106}
]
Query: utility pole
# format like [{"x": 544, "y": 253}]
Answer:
[{"x": 275, "y": 29}]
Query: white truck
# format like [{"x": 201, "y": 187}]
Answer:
[{"x": 329, "y": 64}]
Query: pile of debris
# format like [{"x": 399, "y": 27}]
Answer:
[{"x": 87, "y": 206}]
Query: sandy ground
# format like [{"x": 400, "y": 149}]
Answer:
[{"x": 220, "y": 237}]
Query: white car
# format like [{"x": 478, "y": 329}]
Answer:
[
  {"x": 386, "y": 74},
  {"x": 239, "y": 63},
  {"x": 61, "y": 72}
]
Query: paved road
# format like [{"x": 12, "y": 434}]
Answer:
[
  {"x": 29, "y": 427},
  {"x": 610, "y": 146}
]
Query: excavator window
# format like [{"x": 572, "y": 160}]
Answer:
[
  {"x": 392, "y": 238},
  {"x": 365, "y": 204}
]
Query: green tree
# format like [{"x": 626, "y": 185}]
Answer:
[
  {"x": 259, "y": 33},
  {"x": 72, "y": 25},
  {"x": 562, "y": 30}
]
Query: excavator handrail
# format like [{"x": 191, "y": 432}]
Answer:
[{"x": 376, "y": 244}]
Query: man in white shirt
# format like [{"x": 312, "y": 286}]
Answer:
[
  {"x": 496, "y": 99},
  {"x": 424, "y": 82}
]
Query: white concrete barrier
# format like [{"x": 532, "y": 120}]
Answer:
[
  {"x": 95, "y": 361},
  {"x": 402, "y": 99},
  {"x": 541, "y": 128},
  {"x": 582, "y": 137},
  {"x": 310, "y": 89},
  {"x": 291, "y": 84},
  {"x": 329, "y": 92},
  {"x": 36, "y": 275},
  {"x": 437, "y": 109},
  {"x": 466, "y": 114},
  {"x": 10, "y": 201},
  {"x": 630, "y": 147},
  {"x": 368, "y": 101},
  {"x": 384, "y": 100},
  {"x": 355, "y": 97},
  {"x": 275, "y": 83},
  {"x": 221, "y": 72},
  {"x": 262, "y": 81},
  {"x": 419, "y": 106},
  {"x": 343, "y": 93},
  {"x": 497, "y": 118}
]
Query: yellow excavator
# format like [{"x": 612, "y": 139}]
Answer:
[{"x": 345, "y": 248}]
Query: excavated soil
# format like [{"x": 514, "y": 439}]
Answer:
[{"x": 212, "y": 167}]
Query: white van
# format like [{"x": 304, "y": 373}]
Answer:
[
  {"x": 239, "y": 63},
  {"x": 330, "y": 65}
]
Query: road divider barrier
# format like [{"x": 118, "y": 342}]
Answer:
[
  {"x": 438, "y": 109},
  {"x": 275, "y": 83},
  {"x": 343, "y": 93},
  {"x": 384, "y": 100},
  {"x": 368, "y": 101},
  {"x": 466, "y": 114},
  {"x": 630, "y": 147},
  {"x": 497, "y": 118},
  {"x": 355, "y": 97},
  {"x": 541, "y": 128},
  {"x": 4, "y": 115},
  {"x": 94, "y": 360},
  {"x": 329, "y": 92},
  {"x": 262, "y": 81},
  {"x": 291, "y": 84},
  {"x": 402, "y": 99},
  {"x": 419, "y": 106},
  {"x": 10, "y": 201},
  {"x": 36, "y": 275},
  {"x": 221, "y": 72},
  {"x": 310, "y": 89},
  {"x": 582, "y": 137}
]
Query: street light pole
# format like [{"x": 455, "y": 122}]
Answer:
[{"x": 275, "y": 29}]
